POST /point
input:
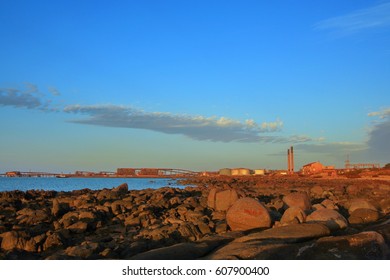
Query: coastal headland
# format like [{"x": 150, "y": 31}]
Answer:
[{"x": 217, "y": 217}]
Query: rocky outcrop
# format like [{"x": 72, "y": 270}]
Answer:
[
  {"x": 361, "y": 246},
  {"x": 276, "y": 218}
]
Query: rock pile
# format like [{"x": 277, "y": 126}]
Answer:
[{"x": 222, "y": 218}]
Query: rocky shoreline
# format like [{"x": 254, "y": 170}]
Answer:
[{"x": 220, "y": 218}]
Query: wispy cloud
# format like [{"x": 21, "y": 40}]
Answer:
[
  {"x": 218, "y": 129},
  {"x": 54, "y": 91},
  {"x": 373, "y": 17},
  {"x": 31, "y": 88},
  {"x": 334, "y": 148}
]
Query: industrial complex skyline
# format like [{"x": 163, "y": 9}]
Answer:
[{"x": 198, "y": 85}]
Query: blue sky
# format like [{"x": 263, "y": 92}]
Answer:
[{"x": 201, "y": 85}]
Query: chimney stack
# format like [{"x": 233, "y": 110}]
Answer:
[{"x": 290, "y": 160}]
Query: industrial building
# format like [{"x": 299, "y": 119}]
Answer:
[
  {"x": 13, "y": 174},
  {"x": 125, "y": 171},
  {"x": 317, "y": 168}
]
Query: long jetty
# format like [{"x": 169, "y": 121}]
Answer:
[{"x": 130, "y": 173}]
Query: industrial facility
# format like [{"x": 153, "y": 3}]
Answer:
[
  {"x": 241, "y": 172},
  {"x": 349, "y": 165},
  {"x": 313, "y": 168},
  {"x": 318, "y": 168}
]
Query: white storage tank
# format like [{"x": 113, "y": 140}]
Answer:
[
  {"x": 259, "y": 171},
  {"x": 235, "y": 172},
  {"x": 244, "y": 172},
  {"x": 225, "y": 172},
  {"x": 241, "y": 172}
]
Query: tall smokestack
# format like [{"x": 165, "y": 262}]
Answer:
[
  {"x": 292, "y": 159},
  {"x": 288, "y": 161}
]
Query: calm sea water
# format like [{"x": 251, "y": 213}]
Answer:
[{"x": 70, "y": 184}]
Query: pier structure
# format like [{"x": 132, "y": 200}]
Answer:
[
  {"x": 121, "y": 172},
  {"x": 30, "y": 174},
  {"x": 154, "y": 172}
]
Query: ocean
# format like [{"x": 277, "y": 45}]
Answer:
[{"x": 70, "y": 184}]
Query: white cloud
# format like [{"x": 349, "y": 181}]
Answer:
[
  {"x": 226, "y": 122},
  {"x": 272, "y": 126},
  {"x": 250, "y": 123},
  {"x": 364, "y": 19},
  {"x": 202, "y": 128},
  {"x": 220, "y": 129},
  {"x": 382, "y": 114}
]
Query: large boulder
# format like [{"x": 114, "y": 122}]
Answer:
[
  {"x": 59, "y": 208},
  {"x": 316, "y": 191},
  {"x": 276, "y": 243},
  {"x": 333, "y": 219},
  {"x": 352, "y": 190},
  {"x": 29, "y": 216},
  {"x": 17, "y": 240},
  {"x": 293, "y": 215},
  {"x": 301, "y": 200},
  {"x": 189, "y": 231},
  {"x": 69, "y": 219},
  {"x": 385, "y": 205},
  {"x": 211, "y": 198},
  {"x": 369, "y": 245},
  {"x": 183, "y": 251},
  {"x": 121, "y": 206},
  {"x": 121, "y": 189},
  {"x": 86, "y": 250},
  {"x": 53, "y": 240},
  {"x": 329, "y": 204},
  {"x": 78, "y": 227},
  {"x": 288, "y": 234},
  {"x": 12, "y": 240},
  {"x": 248, "y": 213},
  {"x": 363, "y": 216},
  {"x": 360, "y": 204},
  {"x": 221, "y": 200}
]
